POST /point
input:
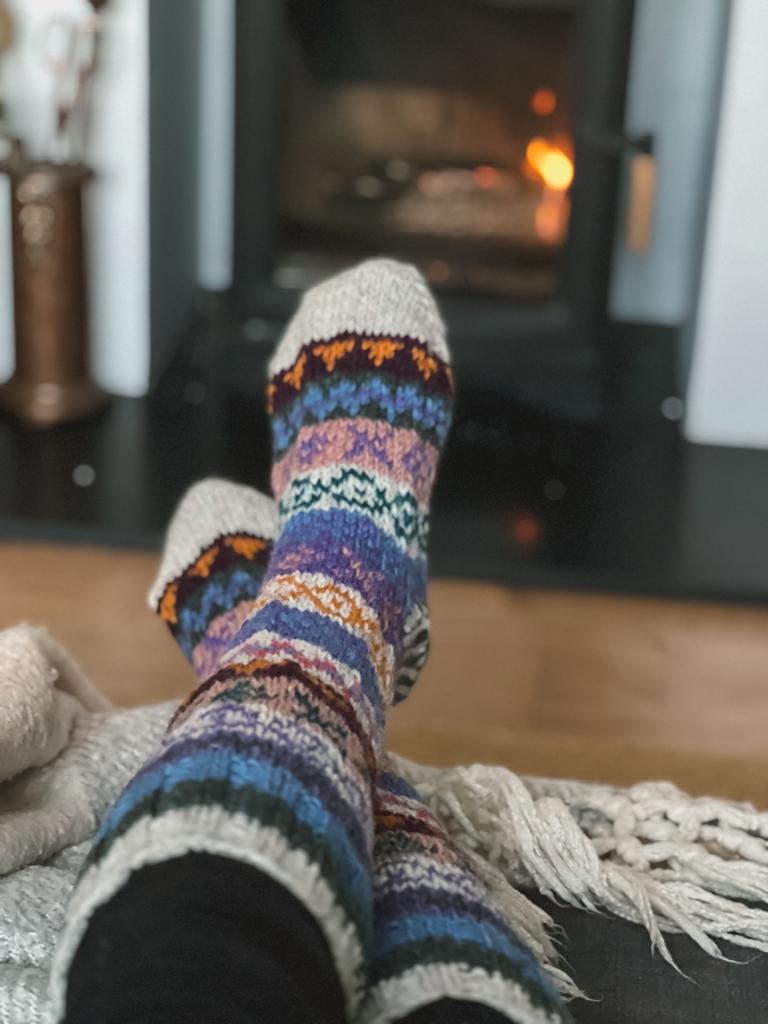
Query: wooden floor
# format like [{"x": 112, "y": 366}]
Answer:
[{"x": 595, "y": 687}]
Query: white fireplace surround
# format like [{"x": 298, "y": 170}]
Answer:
[{"x": 728, "y": 386}]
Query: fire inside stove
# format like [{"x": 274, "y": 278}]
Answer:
[{"x": 439, "y": 133}]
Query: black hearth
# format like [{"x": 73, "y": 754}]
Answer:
[{"x": 479, "y": 139}]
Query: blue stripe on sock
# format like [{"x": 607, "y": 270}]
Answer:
[
  {"x": 215, "y": 595},
  {"x": 245, "y": 770},
  {"x": 317, "y": 629},
  {"x": 461, "y": 929},
  {"x": 396, "y": 785},
  {"x": 348, "y": 397},
  {"x": 355, "y": 552}
]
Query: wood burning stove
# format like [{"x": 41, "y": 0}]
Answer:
[{"x": 478, "y": 138}]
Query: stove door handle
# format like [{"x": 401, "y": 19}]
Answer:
[{"x": 615, "y": 144}]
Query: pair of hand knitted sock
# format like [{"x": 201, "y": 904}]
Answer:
[{"x": 276, "y": 760}]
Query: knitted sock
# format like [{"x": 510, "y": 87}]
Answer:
[
  {"x": 443, "y": 950},
  {"x": 215, "y": 526},
  {"x": 434, "y": 921},
  {"x": 361, "y": 396},
  {"x": 420, "y": 965},
  {"x": 420, "y": 878},
  {"x": 272, "y": 761},
  {"x": 216, "y": 552}
]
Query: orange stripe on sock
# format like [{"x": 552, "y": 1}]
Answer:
[
  {"x": 167, "y": 608},
  {"x": 339, "y": 604},
  {"x": 333, "y": 351},
  {"x": 380, "y": 350},
  {"x": 248, "y": 547}
]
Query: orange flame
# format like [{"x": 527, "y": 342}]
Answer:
[{"x": 553, "y": 164}]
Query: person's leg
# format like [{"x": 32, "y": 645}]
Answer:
[
  {"x": 443, "y": 951},
  {"x": 215, "y": 517},
  {"x": 451, "y": 1011},
  {"x": 272, "y": 761},
  {"x": 222, "y": 917},
  {"x": 203, "y": 939}
]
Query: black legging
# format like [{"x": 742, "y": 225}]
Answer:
[{"x": 208, "y": 940}]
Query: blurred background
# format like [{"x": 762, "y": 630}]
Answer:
[{"x": 582, "y": 182}]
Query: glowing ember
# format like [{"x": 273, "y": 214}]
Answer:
[
  {"x": 548, "y": 222},
  {"x": 551, "y": 217},
  {"x": 527, "y": 530},
  {"x": 487, "y": 177},
  {"x": 544, "y": 102},
  {"x": 438, "y": 271}
]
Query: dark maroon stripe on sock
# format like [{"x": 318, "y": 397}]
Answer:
[
  {"x": 317, "y": 691},
  {"x": 413, "y": 362},
  {"x": 222, "y": 557}
]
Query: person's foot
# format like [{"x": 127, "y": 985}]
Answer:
[
  {"x": 216, "y": 550},
  {"x": 362, "y": 393}
]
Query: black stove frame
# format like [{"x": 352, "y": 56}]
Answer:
[{"x": 552, "y": 354}]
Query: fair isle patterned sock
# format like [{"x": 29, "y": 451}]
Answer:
[
  {"x": 216, "y": 552},
  {"x": 437, "y": 934},
  {"x": 362, "y": 401},
  {"x": 272, "y": 761}
]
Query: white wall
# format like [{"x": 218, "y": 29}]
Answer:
[
  {"x": 217, "y": 144},
  {"x": 6, "y": 284},
  {"x": 118, "y": 208},
  {"x": 117, "y": 212},
  {"x": 673, "y": 90},
  {"x": 728, "y": 392}
]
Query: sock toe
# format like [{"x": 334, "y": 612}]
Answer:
[
  {"x": 210, "y": 509},
  {"x": 377, "y": 297}
]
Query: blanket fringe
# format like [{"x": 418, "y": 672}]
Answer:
[{"x": 650, "y": 854}]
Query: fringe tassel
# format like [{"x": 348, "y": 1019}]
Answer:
[{"x": 650, "y": 854}]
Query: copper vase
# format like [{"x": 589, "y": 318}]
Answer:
[{"x": 51, "y": 382}]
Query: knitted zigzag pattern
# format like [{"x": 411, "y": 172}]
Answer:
[{"x": 358, "y": 423}]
